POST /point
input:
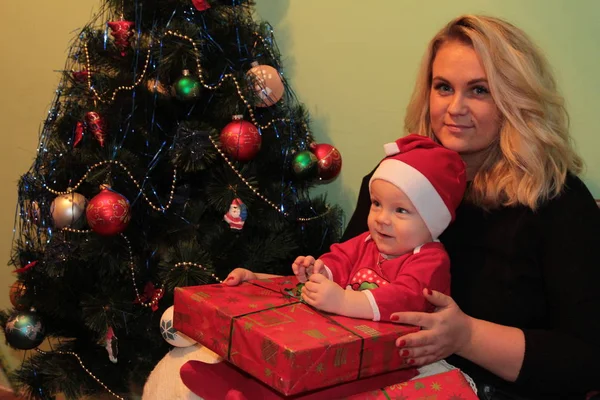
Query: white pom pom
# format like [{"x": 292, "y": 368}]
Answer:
[{"x": 164, "y": 381}]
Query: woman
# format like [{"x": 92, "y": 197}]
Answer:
[{"x": 524, "y": 315}]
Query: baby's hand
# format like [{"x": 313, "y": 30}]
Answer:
[
  {"x": 238, "y": 276},
  {"x": 304, "y": 267},
  {"x": 324, "y": 294}
]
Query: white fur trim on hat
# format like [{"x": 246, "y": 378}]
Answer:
[
  {"x": 419, "y": 190},
  {"x": 391, "y": 148}
]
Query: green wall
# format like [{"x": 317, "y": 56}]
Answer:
[{"x": 352, "y": 63}]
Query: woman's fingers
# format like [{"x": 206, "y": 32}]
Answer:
[
  {"x": 420, "y": 361},
  {"x": 421, "y": 319},
  {"x": 439, "y": 300},
  {"x": 416, "y": 339}
]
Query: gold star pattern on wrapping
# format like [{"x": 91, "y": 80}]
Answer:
[
  {"x": 232, "y": 299},
  {"x": 248, "y": 326},
  {"x": 419, "y": 385},
  {"x": 456, "y": 397},
  {"x": 252, "y": 305},
  {"x": 268, "y": 372},
  {"x": 436, "y": 386},
  {"x": 320, "y": 368}
]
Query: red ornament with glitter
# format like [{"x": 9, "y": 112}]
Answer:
[
  {"x": 201, "y": 5},
  {"x": 95, "y": 124},
  {"x": 329, "y": 160},
  {"x": 108, "y": 213},
  {"x": 122, "y": 31},
  {"x": 78, "y": 134},
  {"x": 81, "y": 76},
  {"x": 240, "y": 139}
]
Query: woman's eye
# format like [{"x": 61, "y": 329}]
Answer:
[
  {"x": 443, "y": 88},
  {"x": 481, "y": 90}
]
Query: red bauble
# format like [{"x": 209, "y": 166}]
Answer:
[
  {"x": 81, "y": 76},
  {"x": 201, "y": 5},
  {"x": 121, "y": 31},
  {"x": 108, "y": 212},
  {"x": 329, "y": 160},
  {"x": 95, "y": 124},
  {"x": 240, "y": 139},
  {"x": 17, "y": 290}
]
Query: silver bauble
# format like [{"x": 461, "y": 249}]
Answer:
[{"x": 67, "y": 210}]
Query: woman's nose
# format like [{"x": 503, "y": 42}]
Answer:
[{"x": 458, "y": 105}]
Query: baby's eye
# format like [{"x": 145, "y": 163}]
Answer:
[
  {"x": 401, "y": 210},
  {"x": 375, "y": 203}
]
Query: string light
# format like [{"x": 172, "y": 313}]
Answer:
[
  {"x": 277, "y": 208},
  {"x": 70, "y": 353},
  {"x": 135, "y": 182},
  {"x": 98, "y": 96},
  {"x": 160, "y": 291},
  {"x": 215, "y": 86},
  {"x": 102, "y": 98}
]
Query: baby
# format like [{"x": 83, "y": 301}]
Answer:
[{"x": 414, "y": 194}]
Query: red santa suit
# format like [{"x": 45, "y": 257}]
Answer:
[{"x": 391, "y": 285}]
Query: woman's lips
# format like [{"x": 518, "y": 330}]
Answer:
[{"x": 457, "y": 128}]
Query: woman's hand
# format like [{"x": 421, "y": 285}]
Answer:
[
  {"x": 444, "y": 332},
  {"x": 238, "y": 276}
]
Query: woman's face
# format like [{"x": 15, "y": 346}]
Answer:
[{"x": 464, "y": 116}]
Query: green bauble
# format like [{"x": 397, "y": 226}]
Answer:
[
  {"x": 305, "y": 165},
  {"x": 187, "y": 87}
]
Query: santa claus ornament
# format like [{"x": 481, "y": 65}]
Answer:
[
  {"x": 111, "y": 344},
  {"x": 237, "y": 214}
]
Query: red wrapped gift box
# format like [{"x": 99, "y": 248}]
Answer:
[
  {"x": 230, "y": 383},
  {"x": 450, "y": 385},
  {"x": 263, "y": 329}
]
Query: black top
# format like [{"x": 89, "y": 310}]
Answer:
[{"x": 537, "y": 271}]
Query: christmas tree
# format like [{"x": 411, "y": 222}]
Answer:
[{"x": 173, "y": 152}]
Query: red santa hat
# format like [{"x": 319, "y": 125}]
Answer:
[{"x": 432, "y": 176}]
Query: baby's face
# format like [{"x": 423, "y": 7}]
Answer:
[{"x": 394, "y": 223}]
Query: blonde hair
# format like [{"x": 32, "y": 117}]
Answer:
[{"x": 529, "y": 162}]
